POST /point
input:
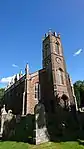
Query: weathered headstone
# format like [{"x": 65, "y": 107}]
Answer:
[
  {"x": 3, "y": 119},
  {"x": 6, "y": 122},
  {"x": 7, "y": 129},
  {"x": 40, "y": 133}
]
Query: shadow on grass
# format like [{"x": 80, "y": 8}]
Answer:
[{"x": 80, "y": 142}]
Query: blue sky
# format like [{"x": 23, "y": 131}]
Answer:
[{"x": 23, "y": 23}]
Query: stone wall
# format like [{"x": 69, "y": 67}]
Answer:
[
  {"x": 32, "y": 101},
  {"x": 16, "y": 127}
]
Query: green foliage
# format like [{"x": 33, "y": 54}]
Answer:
[
  {"x": 1, "y": 96},
  {"x": 79, "y": 92},
  {"x": 1, "y": 92}
]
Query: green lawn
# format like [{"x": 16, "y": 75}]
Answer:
[{"x": 49, "y": 145}]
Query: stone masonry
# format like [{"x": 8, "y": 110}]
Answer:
[{"x": 25, "y": 91}]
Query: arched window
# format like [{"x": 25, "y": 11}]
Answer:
[
  {"x": 46, "y": 50},
  {"x": 57, "y": 48},
  {"x": 37, "y": 91},
  {"x": 60, "y": 78},
  {"x": 65, "y": 99}
]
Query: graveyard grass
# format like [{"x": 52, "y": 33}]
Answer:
[{"x": 49, "y": 145}]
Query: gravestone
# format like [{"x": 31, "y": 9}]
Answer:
[
  {"x": 40, "y": 133},
  {"x": 8, "y": 125},
  {"x": 3, "y": 119},
  {"x": 6, "y": 122}
]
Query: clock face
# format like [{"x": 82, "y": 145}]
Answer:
[{"x": 58, "y": 60}]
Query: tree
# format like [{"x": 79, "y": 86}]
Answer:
[
  {"x": 1, "y": 92},
  {"x": 1, "y": 96},
  {"x": 79, "y": 92}
]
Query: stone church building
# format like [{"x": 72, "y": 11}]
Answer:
[{"x": 51, "y": 85}]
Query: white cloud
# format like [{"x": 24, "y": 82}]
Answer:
[
  {"x": 7, "y": 79},
  {"x": 77, "y": 52},
  {"x": 14, "y": 65}
]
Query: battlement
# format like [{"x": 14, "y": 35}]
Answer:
[{"x": 51, "y": 33}]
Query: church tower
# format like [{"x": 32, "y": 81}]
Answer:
[{"x": 54, "y": 63}]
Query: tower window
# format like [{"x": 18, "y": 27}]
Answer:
[
  {"x": 60, "y": 78},
  {"x": 55, "y": 89},
  {"x": 57, "y": 48},
  {"x": 46, "y": 50}
]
